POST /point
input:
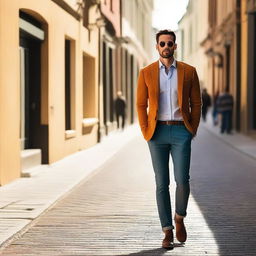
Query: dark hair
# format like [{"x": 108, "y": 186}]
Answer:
[{"x": 165, "y": 32}]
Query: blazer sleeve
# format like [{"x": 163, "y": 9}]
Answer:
[
  {"x": 142, "y": 101},
  {"x": 195, "y": 102}
]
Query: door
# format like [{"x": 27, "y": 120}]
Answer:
[{"x": 33, "y": 135}]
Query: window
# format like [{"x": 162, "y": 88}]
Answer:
[
  {"x": 89, "y": 93},
  {"x": 69, "y": 84}
]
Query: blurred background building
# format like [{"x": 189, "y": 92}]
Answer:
[
  {"x": 192, "y": 30},
  {"x": 125, "y": 46},
  {"x": 62, "y": 63},
  {"x": 218, "y": 37}
]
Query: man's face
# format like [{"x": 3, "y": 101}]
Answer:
[{"x": 166, "y": 46}]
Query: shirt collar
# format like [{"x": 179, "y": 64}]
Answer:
[{"x": 161, "y": 65}]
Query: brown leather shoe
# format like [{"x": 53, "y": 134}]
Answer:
[
  {"x": 181, "y": 233},
  {"x": 168, "y": 240}
]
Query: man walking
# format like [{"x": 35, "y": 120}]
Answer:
[
  {"x": 225, "y": 104},
  {"x": 206, "y": 100},
  {"x": 169, "y": 109},
  {"x": 120, "y": 106}
]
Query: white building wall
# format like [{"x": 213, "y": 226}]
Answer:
[{"x": 193, "y": 28}]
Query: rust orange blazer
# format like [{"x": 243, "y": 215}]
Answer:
[{"x": 189, "y": 97}]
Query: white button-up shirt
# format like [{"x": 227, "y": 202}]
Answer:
[{"x": 168, "y": 99}]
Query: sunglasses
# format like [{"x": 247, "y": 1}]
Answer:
[{"x": 169, "y": 44}]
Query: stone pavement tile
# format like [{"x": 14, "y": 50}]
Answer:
[
  {"x": 241, "y": 142},
  {"x": 223, "y": 185},
  {"x": 114, "y": 212},
  {"x": 27, "y": 198},
  {"x": 10, "y": 227}
]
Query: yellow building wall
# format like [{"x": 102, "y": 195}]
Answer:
[
  {"x": 60, "y": 25},
  {"x": 244, "y": 66},
  {"x": 9, "y": 93}
]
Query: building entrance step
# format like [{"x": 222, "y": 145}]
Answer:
[{"x": 30, "y": 158}]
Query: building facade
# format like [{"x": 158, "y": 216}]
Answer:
[
  {"x": 62, "y": 63},
  {"x": 222, "y": 47},
  {"x": 109, "y": 68},
  {"x": 192, "y": 30},
  {"x": 124, "y": 48},
  {"x": 48, "y": 83},
  {"x": 230, "y": 48},
  {"x": 229, "y": 45},
  {"x": 136, "y": 47},
  {"x": 248, "y": 66}
]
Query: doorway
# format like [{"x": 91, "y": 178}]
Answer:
[{"x": 33, "y": 134}]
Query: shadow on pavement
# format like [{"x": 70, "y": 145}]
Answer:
[
  {"x": 152, "y": 252},
  {"x": 157, "y": 251},
  {"x": 223, "y": 185}
]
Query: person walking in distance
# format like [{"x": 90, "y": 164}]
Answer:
[
  {"x": 225, "y": 104},
  {"x": 169, "y": 110},
  {"x": 120, "y": 106},
  {"x": 206, "y": 100}
]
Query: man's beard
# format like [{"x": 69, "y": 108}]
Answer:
[{"x": 167, "y": 56}]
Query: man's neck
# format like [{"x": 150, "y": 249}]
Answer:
[{"x": 167, "y": 61}]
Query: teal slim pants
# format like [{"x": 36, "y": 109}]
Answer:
[{"x": 174, "y": 140}]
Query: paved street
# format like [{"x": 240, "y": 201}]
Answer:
[{"x": 114, "y": 212}]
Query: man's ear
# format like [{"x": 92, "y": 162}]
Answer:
[
  {"x": 175, "y": 46},
  {"x": 156, "y": 47}
]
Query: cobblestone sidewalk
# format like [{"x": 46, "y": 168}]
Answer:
[{"x": 114, "y": 212}]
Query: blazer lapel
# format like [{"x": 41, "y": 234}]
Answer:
[{"x": 180, "y": 70}]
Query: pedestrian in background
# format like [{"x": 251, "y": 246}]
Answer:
[
  {"x": 225, "y": 104},
  {"x": 120, "y": 106},
  {"x": 169, "y": 109},
  {"x": 214, "y": 109},
  {"x": 206, "y": 100}
]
